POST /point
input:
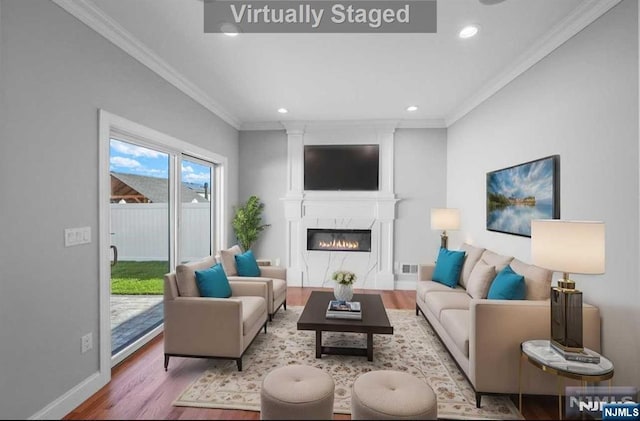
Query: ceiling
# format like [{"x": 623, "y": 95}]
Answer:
[{"x": 245, "y": 79}]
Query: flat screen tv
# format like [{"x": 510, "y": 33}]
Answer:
[{"x": 341, "y": 167}]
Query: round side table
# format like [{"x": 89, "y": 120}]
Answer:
[{"x": 540, "y": 354}]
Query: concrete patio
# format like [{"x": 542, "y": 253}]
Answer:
[{"x": 132, "y": 316}]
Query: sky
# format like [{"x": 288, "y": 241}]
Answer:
[
  {"x": 534, "y": 179},
  {"x": 132, "y": 159}
]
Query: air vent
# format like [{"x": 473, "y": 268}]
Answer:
[{"x": 408, "y": 268}]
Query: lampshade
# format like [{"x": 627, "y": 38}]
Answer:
[
  {"x": 445, "y": 219},
  {"x": 568, "y": 246}
]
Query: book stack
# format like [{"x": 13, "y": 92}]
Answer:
[
  {"x": 584, "y": 356},
  {"x": 344, "y": 310}
]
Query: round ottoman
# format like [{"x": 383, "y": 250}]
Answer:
[
  {"x": 297, "y": 392},
  {"x": 392, "y": 395}
]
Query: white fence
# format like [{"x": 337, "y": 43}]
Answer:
[{"x": 140, "y": 231}]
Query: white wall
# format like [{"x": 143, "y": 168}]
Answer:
[
  {"x": 580, "y": 102},
  {"x": 420, "y": 184},
  {"x": 263, "y": 172},
  {"x": 56, "y": 73}
]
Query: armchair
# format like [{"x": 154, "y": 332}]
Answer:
[
  {"x": 275, "y": 277},
  {"x": 204, "y": 327}
]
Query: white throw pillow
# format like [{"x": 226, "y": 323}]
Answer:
[
  {"x": 472, "y": 256},
  {"x": 480, "y": 280},
  {"x": 228, "y": 260}
]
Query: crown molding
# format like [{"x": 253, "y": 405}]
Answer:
[
  {"x": 262, "y": 125},
  {"x": 319, "y": 125},
  {"x": 434, "y": 123},
  {"x": 580, "y": 18},
  {"x": 92, "y": 16},
  {"x": 429, "y": 123},
  {"x": 294, "y": 127}
]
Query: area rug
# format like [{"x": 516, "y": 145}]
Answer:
[{"x": 413, "y": 348}]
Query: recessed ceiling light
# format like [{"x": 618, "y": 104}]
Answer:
[
  {"x": 468, "y": 31},
  {"x": 412, "y": 108},
  {"x": 283, "y": 110},
  {"x": 229, "y": 29}
]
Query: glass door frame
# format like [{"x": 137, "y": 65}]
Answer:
[
  {"x": 173, "y": 196},
  {"x": 113, "y": 126},
  {"x": 214, "y": 199}
]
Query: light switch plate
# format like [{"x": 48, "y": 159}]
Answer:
[{"x": 77, "y": 236}]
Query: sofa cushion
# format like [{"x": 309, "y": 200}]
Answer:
[
  {"x": 228, "y": 260},
  {"x": 426, "y": 287},
  {"x": 439, "y": 301},
  {"x": 252, "y": 309},
  {"x": 495, "y": 259},
  {"x": 480, "y": 280},
  {"x": 537, "y": 279},
  {"x": 246, "y": 264},
  {"x": 456, "y": 323},
  {"x": 186, "y": 276},
  {"x": 213, "y": 283},
  {"x": 508, "y": 285},
  {"x": 448, "y": 267},
  {"x": 473, "y": 254}
]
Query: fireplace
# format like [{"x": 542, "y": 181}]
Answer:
[{"x": 339, "y": 240}]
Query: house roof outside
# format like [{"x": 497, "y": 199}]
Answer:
[{"x": 144, "y": 189}]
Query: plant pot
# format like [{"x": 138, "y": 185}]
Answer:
[{"x": 343, "y": 292}]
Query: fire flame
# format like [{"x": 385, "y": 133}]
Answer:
[{"x": 339, "y": 244}]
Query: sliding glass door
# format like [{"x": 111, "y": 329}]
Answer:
[
  {"x": 140, "y": 235},
  {"x": 163, "y": 205},
  {"x": 197, "y": 210}
]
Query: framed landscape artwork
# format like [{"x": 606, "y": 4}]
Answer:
[{"x": 518, "y": 194}]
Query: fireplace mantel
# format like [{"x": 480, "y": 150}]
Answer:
[{"x": 375, "y": 211}]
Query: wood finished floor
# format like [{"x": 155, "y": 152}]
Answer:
[{"x": 141, "y": 389}]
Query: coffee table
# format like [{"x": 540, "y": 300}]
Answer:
[{"x": 374, "y": 320}]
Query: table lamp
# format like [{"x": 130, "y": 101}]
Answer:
[
  {"x": 445, "y": 219},
  {"x": 567, "y": 247}
]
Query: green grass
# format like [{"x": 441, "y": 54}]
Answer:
[{"x": 138, "y": 278}]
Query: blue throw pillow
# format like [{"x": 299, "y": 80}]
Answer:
[
  {"x": 448, "y": 267},
  {"x": 213, "y": 282},
  {"x": 246, "y": 264},
  {"x": 507, "y": 285}
]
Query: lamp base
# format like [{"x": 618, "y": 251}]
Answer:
[
  {"x": 444, "y": 240},
  {"x": 566, "y": 319}
]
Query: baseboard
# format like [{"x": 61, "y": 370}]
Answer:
[
  {"x": 73, "y": 398},
  {"x": 405, "y": 285},
  {"x": 294, "y": 282}
]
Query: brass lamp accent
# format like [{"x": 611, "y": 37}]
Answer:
[
  {"x": 445, "y": 219},
  {"x": 567, "y": 247}
]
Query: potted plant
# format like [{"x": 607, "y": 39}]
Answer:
[
  {"x": 344, "y": 279},
  {"x": 247, "y": 222}
]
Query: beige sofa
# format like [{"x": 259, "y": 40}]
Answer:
[
  {"x": 274, "y": 276},
  {"x": 205, "y": 327},
  {"x": 484, "y": 336}
]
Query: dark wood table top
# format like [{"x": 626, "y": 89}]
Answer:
[{"x": 374, "y": 316}]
